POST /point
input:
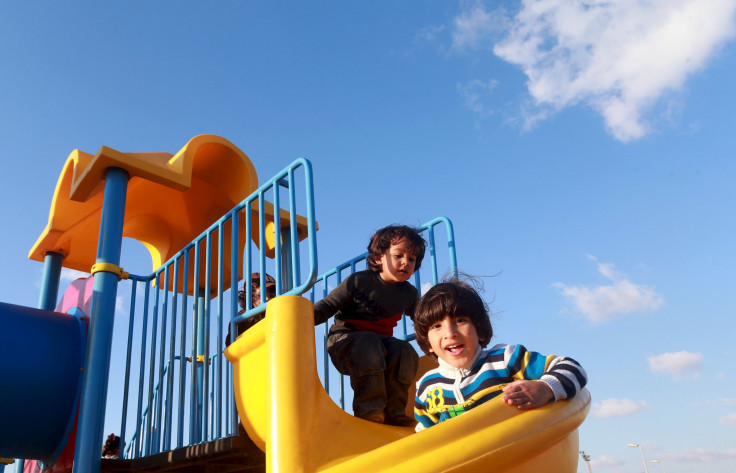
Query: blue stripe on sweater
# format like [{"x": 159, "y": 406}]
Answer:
[{"x": 535, "y": 368}]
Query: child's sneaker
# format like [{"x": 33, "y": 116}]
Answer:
[
  {"x": 378, "y": 418},
  {"x": 402, "y": 421}
]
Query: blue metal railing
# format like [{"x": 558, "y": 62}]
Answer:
[
  {"x": 177, "y": 405},
  {"x": 179, "y": 314}
]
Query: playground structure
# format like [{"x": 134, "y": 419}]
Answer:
[{"x": 208, "y": 227}]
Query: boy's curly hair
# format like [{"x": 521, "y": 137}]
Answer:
[
  {"x": 112, "y": 446},
  {"x": 451, "y": 298},
  {"x": 382, "y": 240}
]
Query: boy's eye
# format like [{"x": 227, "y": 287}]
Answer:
[
  {"x": 461, "y": 320},
  {"x": 399, "y": 256},
  {"x": 434, "y": 326}
]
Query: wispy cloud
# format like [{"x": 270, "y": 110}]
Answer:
[
  {"x": 426, "y": 287},
  {"x": 729, "y": 420},
  {"x": 720, "y": 402},
  {"x": 69, "y": 275},
  {"x": 701, "y": 455},
  {"x": 729, "y": 402},
  {"x": 600, "y": 303},
  {"x": 681, "y": 365},
  {"x": 605, "y": 461},
  {"x": 474, "y": 26},
  {"x": 475, "y": 95},
  {"x": 617, "y": 408},
  {"x": 428, "y": 33},
  {"x": 619, "y": 58}
]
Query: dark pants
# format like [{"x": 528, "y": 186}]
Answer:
[{"x": 381, "y": 370}]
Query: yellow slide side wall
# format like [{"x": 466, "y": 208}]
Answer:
[{"x": 287, "y": 412}]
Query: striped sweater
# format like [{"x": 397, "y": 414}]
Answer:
[{"x": 446, "y": 391}]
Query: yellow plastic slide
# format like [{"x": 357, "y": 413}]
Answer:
[{"x": 290, "y": 416}]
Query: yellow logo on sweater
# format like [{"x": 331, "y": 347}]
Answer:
[{"x": 435, "y": 399}]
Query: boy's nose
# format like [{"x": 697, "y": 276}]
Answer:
[{"x": 450, "y": 331}]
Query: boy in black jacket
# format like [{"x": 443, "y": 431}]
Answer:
[{"x": 367, "y": 305}]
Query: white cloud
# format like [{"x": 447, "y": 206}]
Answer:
[
  {"x": 425, "y": 287},
  {"x": 701, "y": 455},
  {"x": 474, "y": 25},
  {"x": 605, "y": 461},
  {"x": 69, "y": 275},
  {"x": 681, "y": 365},
  {"x": 120, "y": 304},
  {"x": 729, "y": 402},
  {"x": 619, "y": 58},
  {"x": 600, "y": 303},
  {"x": 474, "y": 95},
  {"x": 617, "y": 408},
  {"x": 729, "y": 420},
  {"x": 428, "y": 33},
  {"x": 720, "y": 402}
]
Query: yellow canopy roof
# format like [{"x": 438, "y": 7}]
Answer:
[{"x": 170, "y": 200}]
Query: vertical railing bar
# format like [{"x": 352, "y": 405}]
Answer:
[
  {"x": 433, "y": 254},
  {"x": 194, "y": 405},
  {"x": 154, "y": 429},
  {"x": 262, "y": 237},
  {"x": 311, "y": 219},
  {"x": 295, "y": 264},
  {"x": 152, "y": 369},
  {"x": 451, "y": 246},
  {"x": 207, "y": 293},
  {"x": 248, "y": 263},
  {"x": 182, "y": 350},
  {"x": 277, "y": 244},
  {"x": 325, "y": 357},
  {"x": 248, "y": 270},
  {"x": 129, "y": 350},
  {"x": 172, "y": 350},
  {"x": 139, "y": 416},
  {"x": 220, "y": 308},
  {"x": 234, "y": 264},
  {"x": 163, "y": 289},
  {"x": 342, "y": 377}
]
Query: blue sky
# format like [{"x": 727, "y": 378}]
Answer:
[{"x": 583, "y": 151}]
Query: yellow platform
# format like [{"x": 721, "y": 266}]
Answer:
[{"x": 290, "y": 416}]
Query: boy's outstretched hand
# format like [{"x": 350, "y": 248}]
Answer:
[{"x": 527, "y": 394}]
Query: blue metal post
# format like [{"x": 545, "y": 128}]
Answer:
[
  {"x": 87, "y": 457},
  {"x": 50, "y": 282}
]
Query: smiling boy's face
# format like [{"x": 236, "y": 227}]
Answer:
[
  {"x": 454, "y": 340},
  {"x": 397, "y": 264}
]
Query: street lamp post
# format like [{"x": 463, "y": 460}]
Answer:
[
  {"x": 661, "y": 463},
  {"x": 587, "y": 460},
  {"x": 646, "y": 470}
]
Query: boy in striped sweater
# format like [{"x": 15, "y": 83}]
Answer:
[{"x": 452, "y": 325}]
